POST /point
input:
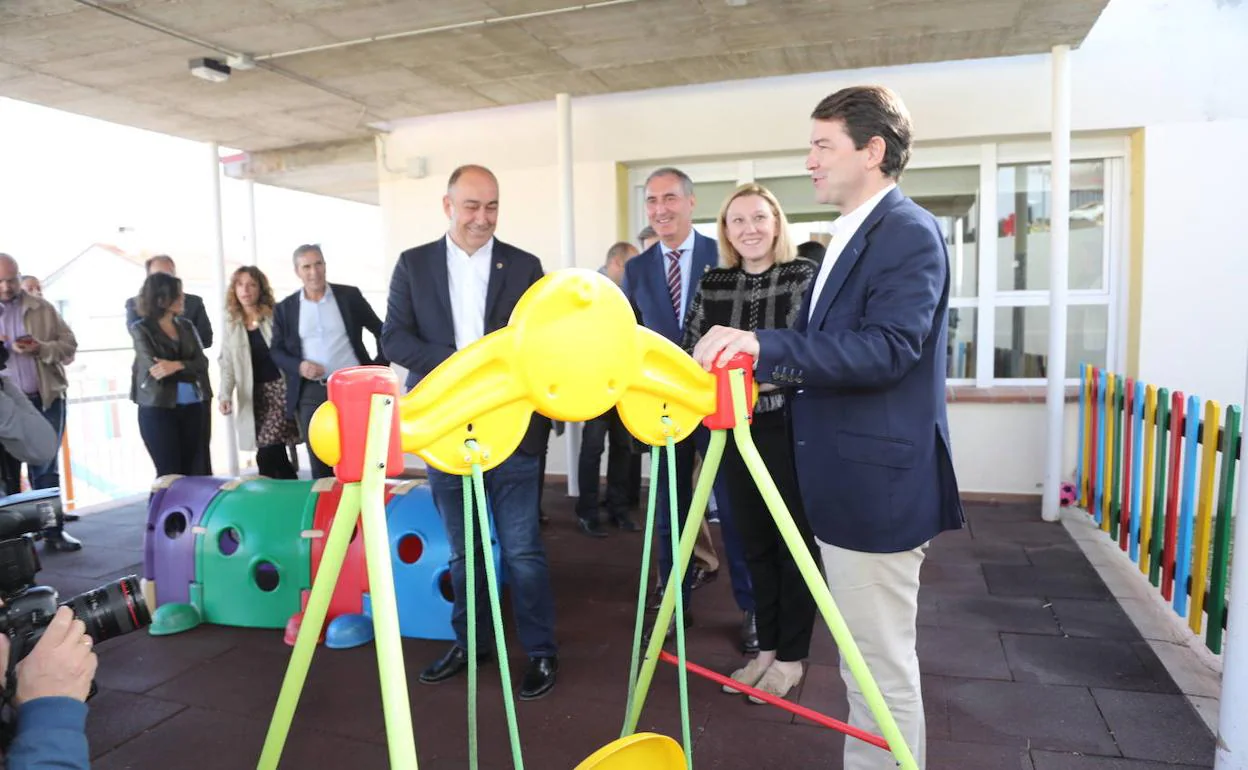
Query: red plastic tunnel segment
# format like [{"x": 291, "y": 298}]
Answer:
[{"x": 723, "y": 418}]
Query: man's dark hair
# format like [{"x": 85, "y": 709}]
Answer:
[
  {"x": 307, "y": 248},
  {"x": 457, "y": 173},
  {"x": 869, "y": 111},
  {"x": 159, "y": 291},
  {"x": 147, "y": 266},
  {"x": 618, "y": 250},
  {"x": 812, "y": 250}
]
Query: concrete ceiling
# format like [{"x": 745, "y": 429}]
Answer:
[{"x": 127, "y": 61}]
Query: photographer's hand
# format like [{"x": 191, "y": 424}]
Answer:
[{"x": 61, "y": 664}]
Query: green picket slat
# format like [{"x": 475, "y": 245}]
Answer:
[
  {"x": 1216, "y": 603},
  {"x": 1159, "y": 488}
]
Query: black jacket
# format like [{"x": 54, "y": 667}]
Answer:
[
  {"x": 419, "y": 332},
  {"x": 151, "y": 343},
  {"x": 287, "y": 347}
]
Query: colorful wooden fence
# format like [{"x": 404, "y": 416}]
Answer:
[{"x": 1158, "y": 475}]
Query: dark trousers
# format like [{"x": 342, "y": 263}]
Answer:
[
  {"x": 734, "y": 550},
  {"x": 784, "y": 608},
  {"x": 511, "y": 497},
  {"x": 202, "y": 462},
  {"x": 634, "y": 478},
  {"x": 312, "y": 393},
  {"x": 274, "y": 462},
  {"x": 173, "y": 436},
  {"x": 596, "y": 433}
]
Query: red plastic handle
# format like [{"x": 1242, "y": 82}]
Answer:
[
  {"x": 352, "y": 391},
  {"x": 723, "y": 417}
]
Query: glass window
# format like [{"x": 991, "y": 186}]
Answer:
[
  {"x": 952, "y": 195},
  {"x": 1022, "y": 339},
  {"x": 962, "y": 338},
  {"x": 1024, "y": 194},
  {"x": 709, "y": 197}
]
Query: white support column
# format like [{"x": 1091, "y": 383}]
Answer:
[
  {"x": 1232, "y": 738},
  {"x": 567, "y": 230},
  {"x": 216, "y": 303},
  {"x": 1059, "y": 254},
  {"x": 251, "y": 223}
]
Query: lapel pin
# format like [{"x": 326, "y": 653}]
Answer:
[{"x": 498, "y": 265}]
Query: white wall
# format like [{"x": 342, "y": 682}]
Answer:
[
  {"x": 1193, "y": 326},
  {"x": 1146, "y": 63}
]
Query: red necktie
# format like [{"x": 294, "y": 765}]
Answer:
[{"x": 673, "y": 280}]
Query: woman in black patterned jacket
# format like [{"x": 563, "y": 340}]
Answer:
[{"x": 759, "y": 285}]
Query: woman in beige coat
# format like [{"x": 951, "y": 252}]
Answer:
[{"x": 247, "y": 367}]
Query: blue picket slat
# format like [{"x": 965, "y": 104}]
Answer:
[
  {"x": 1137, "y": 469},
  {"x": 1187, "y": 506}
]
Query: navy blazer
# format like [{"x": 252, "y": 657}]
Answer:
[
  {"x": 287, "y": 347},
  {"x": 419, "y": 332},
  {"x": 645, "y": 285},
  {"x": 870, "y": 433}
]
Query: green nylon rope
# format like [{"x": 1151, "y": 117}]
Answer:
[
  {"x": 678, "y": 578},
  {"x": 652, "y": 498},
  {"x": 491, "y": 582}
]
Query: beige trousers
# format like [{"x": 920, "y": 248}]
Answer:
[{"x": 878, "y": 594}]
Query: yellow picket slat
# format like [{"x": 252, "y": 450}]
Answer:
[{"x": 1204, "y": 515}]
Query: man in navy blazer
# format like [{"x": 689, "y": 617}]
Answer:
[
  {"x": 444, "y": 296},
  {"x": 314, "y": 337},
  {"x": 866, "y": 363},
  {"x": 661, "y": 283}
]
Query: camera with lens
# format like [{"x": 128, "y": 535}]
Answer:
[{"x": 111, "y": 610}]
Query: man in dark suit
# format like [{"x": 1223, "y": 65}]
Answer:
[
  {"x": 317, "y": 331},
  {"x": 193, "y": 310},
  {"x": 444, "y": 296},
  {"x": 661, "y": 283},
  {"x": 867, "y": 361}
]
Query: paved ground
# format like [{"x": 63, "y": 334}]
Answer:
[{"x": 1027, "y": 663}]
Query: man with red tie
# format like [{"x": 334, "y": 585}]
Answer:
[{"x": 660, "y": 283}]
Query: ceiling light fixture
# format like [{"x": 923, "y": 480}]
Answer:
[{"x": 208, "y": 68}]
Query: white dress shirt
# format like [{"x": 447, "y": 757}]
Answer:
[
  {"x": 469, "y": 279},
  {"x": 843, "y": 230},
  {"x": 323, "y": 333}
]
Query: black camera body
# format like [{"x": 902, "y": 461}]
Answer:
[{"x": 111, "y": 610}]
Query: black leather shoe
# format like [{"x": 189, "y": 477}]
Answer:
[
  {"x": 749, "y": 633},
  {"x": 591, "y": 527},
  {"x": 450, "y": 664},
  {"x": 625, "y": 523},
  {"x": 539, "y": 678},
  {"x": 58, "y": 540},
  {"x": 655, "y": 600}
]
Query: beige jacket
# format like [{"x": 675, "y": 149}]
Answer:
[
  {"x": 57, "y": 346},
  {"x": 236, "y": 375}
]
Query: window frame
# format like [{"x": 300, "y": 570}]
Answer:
[{"x": 1111, "y": 148}]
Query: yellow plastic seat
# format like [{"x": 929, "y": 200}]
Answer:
[{"x": 640, "y": 751}]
